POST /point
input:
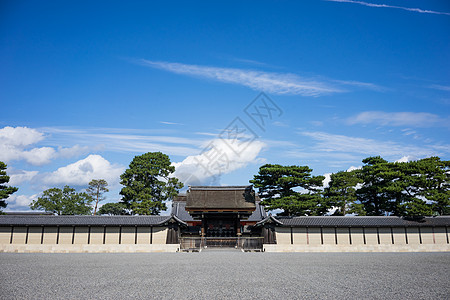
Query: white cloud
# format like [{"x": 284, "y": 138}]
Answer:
[
  {"x": 406, "y": 158},
  {"x": 352, "y": 168},
  {"x": 16, "y": 177},
  {"x": 421, "y": 119},
  {"x": 221, "y": 157},
  {"x": 20, "y": 136},
  {"x": 20, "y": 201},
  {"x": 72, "y": 151},
  {"x": 326, "y": 181},
  {"x": 83, "y": 171},
  {"x": 16, "y": 141},
  {"x": 276, "y": 83},
  {"x": 423, "y": 11}
]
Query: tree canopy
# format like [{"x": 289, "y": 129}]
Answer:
[
  {"x": 290, "y": 188},
  {"x": 64, "y": 201},
  {"x": 96, "y": 189},
  {"x": 410, "y": 189},
  {"x": 341, "y": 193},
  {"x": 5, "y": 191},
  {"x": 415, "y": 188},
  {"x": 148, "y": 183},
  {"x": 113, "y": 209}
]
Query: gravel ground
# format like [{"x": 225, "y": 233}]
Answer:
[{"x": 225, "y": 275}]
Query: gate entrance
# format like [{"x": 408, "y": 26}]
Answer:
[
  {"x": 241, "y": 243},
  {"x": 221, "y": 226}
]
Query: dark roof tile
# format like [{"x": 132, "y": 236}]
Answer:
[
  {"x": 360, "y": 221},
  {"x": 84, "y": 220}
]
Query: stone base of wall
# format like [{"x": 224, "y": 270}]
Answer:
[
  {"x": 357, "y": 248},
  {"x": 89, "y": 248}
]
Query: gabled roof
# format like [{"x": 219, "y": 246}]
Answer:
[
  {"x": 179, "y": 210},
  {"x": 269, "y": 219},
  {"x": 220, "y": 197},
  {"x": 362, "y": 221},
  {"x": 36, "y": 220},
  {"x": 259, "y": 213}
]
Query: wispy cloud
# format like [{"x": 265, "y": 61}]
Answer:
[
  {"x": 421, "y": 119},
  {"x": 128, "y": 140},
  {"x": 170, "y": 123},
  {"x": 365, "y": 85},
  {"x": 275, "y": 83},
  {"x": 334, "y": 143},
  {"x": 423, "y": 11},
  {"x": 445, "y": 88},
  {"x": 249, "y": 61}
]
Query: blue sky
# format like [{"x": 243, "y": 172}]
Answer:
[{"x": 87, "y": 86}]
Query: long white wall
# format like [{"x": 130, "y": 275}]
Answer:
[
  {"x": 82, "y": 235},
  {"x": 303, "y": 239}
]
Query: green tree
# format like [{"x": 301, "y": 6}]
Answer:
[
  {"x": 148, "y": 183},
  {"x": 373, "y": 193},
  {"x": 113, "y": 209},
  {"x": 96, "y": 189},
  {"x": 416, "y": 188},
  {"x": 5, "y": 191},
  {"x": 424, "y": 187},
  {"x": 64, "y": 201},
  {"x": 291, "y": 188},
  {"x": 341, "y": 193}
]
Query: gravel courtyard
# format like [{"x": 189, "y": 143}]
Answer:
[{"x": 225, "y": 275}]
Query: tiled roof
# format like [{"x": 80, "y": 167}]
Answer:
[
  {"x": 220, "y": 197},
  {"x": 84, "y": 220},
  {"x": 359, "y": 221},
  {"x": 259, "y": 213},
  {"x": 179, "y": 210}
]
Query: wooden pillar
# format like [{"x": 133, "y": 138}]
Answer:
[
  {"x": 364, "y": 235},
  {"x": 335, "y": 236},
  {"x": 42, "y": 235},
  {"x": 26, "y": 237},
  {"x": 434, "y": 238},
  {"x": 292, "y": 236},
  {"x": 12, "y": 234},
  {"x": 321, "y": 235},
  {"x": 350, "y": 235},
  {"x": 151, "y": 234},
  {"x": 420, "y": 235},
  {"x": 378, "y": 235},
  {"x": 203, "y": 226},
  {"x": 406, "y": 236},
  {"x": 307, "y": 235},
  {"x": 392, "y": 235}
]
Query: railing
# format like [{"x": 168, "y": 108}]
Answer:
[{"x": 199, "y": 243}]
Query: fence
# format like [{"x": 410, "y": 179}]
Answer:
[{"x": 244, "y": 243}]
